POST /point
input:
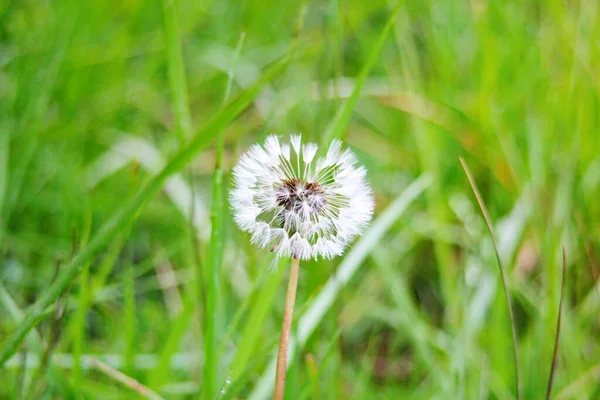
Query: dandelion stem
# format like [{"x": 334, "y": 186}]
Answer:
[{"x": 286, "y": 326}]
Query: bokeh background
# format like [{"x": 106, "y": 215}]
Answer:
[{"x": 96, "y": 96}]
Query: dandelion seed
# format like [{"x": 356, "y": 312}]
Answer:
[{"x": 297, "y": 204}]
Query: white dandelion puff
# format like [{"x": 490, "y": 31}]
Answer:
[{"x": 297, "y": 204}]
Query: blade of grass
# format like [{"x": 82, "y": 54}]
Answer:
[
  {"x": 177, "y": 81},
  {"x": 129, "y": 316},
  {"x": 252, "y": 331},
  {"x": 96, "y": 283},
  {"x": 558, "y": 323},
  {"x": 232, "y": 70},
  {"x": 161, "y": 372},
  {"x": 213, "y": 325},
  {"x": 324, "y": 300},
  {"x": 52, "y": 339},
  {"x": 127, "y": 213},
  {"x": 583, "y": 234},
  {"x": 183, "y": 127},
  {"x": 252, "y": 369},
  {"x": 428, "y": 140},
  {"x": 79, "y": 323},
  {"x": 337, "y": 126},
  {"x": 133, "y": 149},
  {"x": 35, "y": 343},
  {"x": 312, "y": 391},
  {"x": 488, "y": 222},
  {"x": 576, "y": 389},
  {"x": 4, "y": 154},
  {"x": 106, "y": 266},
  {"x": 42, "y": 78},
  {"x": 412, "y": 324},
  {"x": 167, "y": 280},
  {"x": 125, "y": 380},
  {"x": 223, "y": 389},
  {"x": 181, "y": 361}
]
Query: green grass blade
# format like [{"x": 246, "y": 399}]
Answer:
[
  {"x": 488, "y": 222},
  {"x": 4, "y": 154},
  {"x": 125, "y": 380},
  {"x": 106, "y": 266},
  {"x": 126, "y": 214},
  {"x": 252, "y": 331},
  {"x": 413, "y": 325},
  {"x": 558, "y": 324},
  {"x": 213, "y": 311},
  {"x": 35, "y": 343},
  {"x": 79, "y": 323},
  {"x": 129, "y": 316},
  {"x": 177, "y": 80},
  {"x": 337, "y": 126},
  {"x": 161, "y": 373}
]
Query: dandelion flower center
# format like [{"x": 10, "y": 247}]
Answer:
[{"x": 295, "y": 195}]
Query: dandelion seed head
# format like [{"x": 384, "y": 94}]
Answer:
[{"x": 298, "y": 204}]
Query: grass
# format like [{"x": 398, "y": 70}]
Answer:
[
  {"x": 119, "y": 126},
  {"x": 501, "y": 268}
]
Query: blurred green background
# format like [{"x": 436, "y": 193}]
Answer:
[{"x": 96, "y": 96}]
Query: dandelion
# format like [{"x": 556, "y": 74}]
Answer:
[{"x": 300, "y": 206}]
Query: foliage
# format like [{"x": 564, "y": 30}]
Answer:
[{"x": 114, "y": 117}]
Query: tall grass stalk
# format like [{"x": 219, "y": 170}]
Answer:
[
  {"x": 4, "y": 156},
  {"x": 488, "y": 222},
  {"x": 213, "y": 325},
  {"x": 79, "y": 325},
  {"x": 558, "y": 325},
  {"x": 177, "y": 80}
]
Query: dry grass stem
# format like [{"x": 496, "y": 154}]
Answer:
[
  {"x": 284, "y": 339},
  {"x": 488, "y": 222},
  {"x": 125, "y": 380}
]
